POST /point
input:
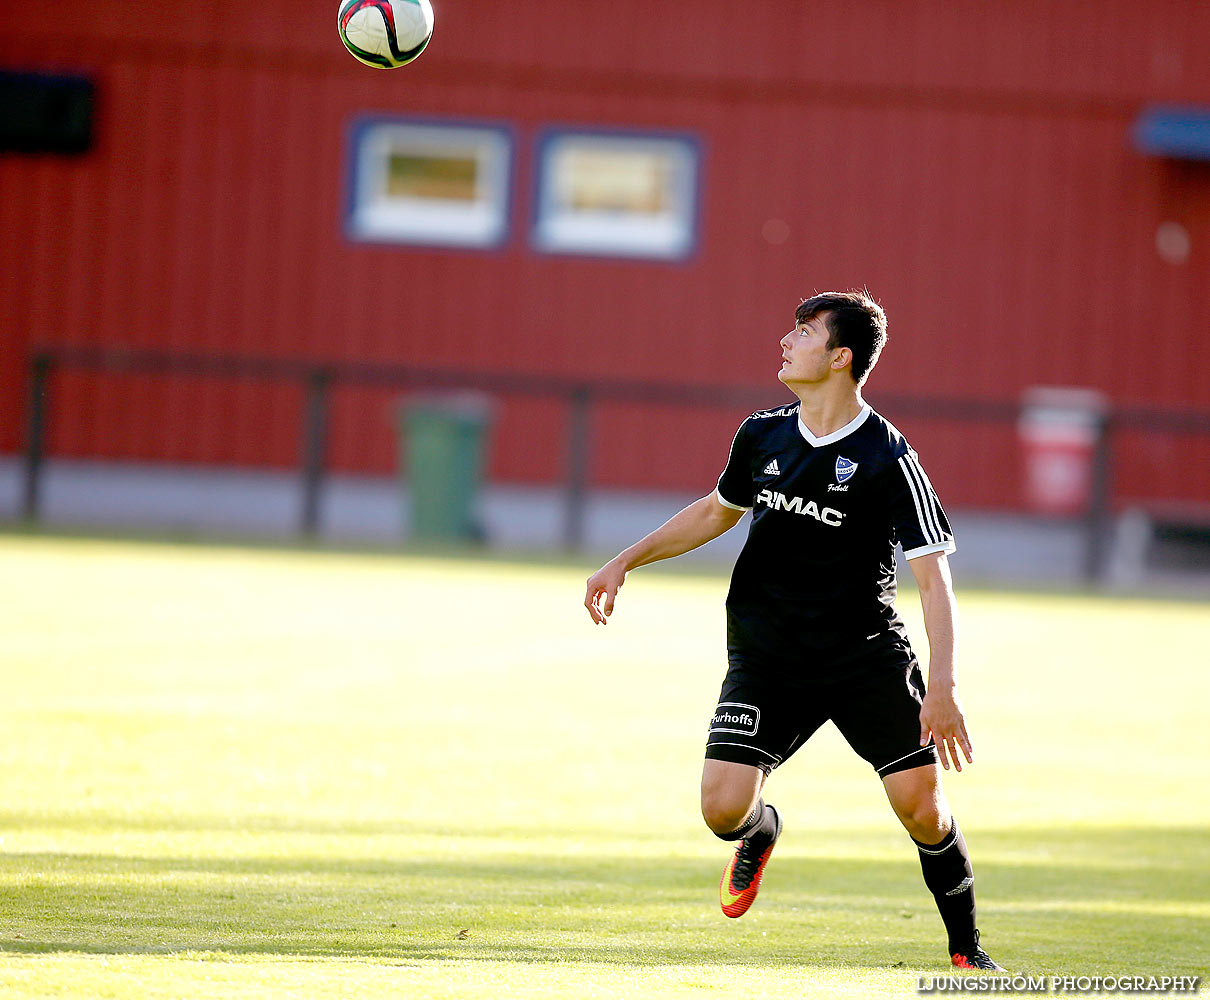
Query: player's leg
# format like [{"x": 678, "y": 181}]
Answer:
[
  {"x": 919, "y": 801},
  {"x": 879, "y": 715},
  {"x": 734, "y": 811},
  {"x": 754, "y": 728},
  {"x": 730, "y": 793}
]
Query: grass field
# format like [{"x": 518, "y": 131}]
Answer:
[{"x": 270, "y": 774}]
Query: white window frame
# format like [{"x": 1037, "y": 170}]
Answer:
[
  {"x": 374, "y": 216},
  {"x": 670, "y": 236}
]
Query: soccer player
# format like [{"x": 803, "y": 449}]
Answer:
[{"x": 812, "y": 631}]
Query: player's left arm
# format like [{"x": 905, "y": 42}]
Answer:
[{"x": 941, "y": 713}]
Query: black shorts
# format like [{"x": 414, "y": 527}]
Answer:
[{"x": 766, "y": 711}]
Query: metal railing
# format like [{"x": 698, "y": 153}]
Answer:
[{"x": 319, "y": 378}]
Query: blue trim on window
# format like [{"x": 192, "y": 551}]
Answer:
[
  {"x": 539, "y": 190},
  {"x": 1175, "y": 131},
  {"x": 361, "y": 124}
]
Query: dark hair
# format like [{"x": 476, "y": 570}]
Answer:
[{"x": 854, "y": 320}]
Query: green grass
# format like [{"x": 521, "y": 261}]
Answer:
[{"x": 244, "y": 773}]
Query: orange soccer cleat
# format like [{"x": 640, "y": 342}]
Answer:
[
  {"x": 975, "y": 959},
  {"x": 741, "y": 878}
]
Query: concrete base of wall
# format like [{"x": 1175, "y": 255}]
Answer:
[{"x": 185, "y": 500}]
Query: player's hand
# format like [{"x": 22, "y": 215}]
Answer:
[
  {"x": 603, "y": 587},
  {"x": 941, "y": 716}
]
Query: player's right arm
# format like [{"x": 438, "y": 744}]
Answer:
[{"x": 697, "y": 524}]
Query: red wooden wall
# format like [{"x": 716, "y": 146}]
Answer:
[{"x": 968, "y": 162}]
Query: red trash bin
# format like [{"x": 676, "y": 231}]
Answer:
[{"x": 1059, "y": 430}]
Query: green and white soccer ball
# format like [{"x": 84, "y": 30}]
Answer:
[{"x": 385, "y": 34}]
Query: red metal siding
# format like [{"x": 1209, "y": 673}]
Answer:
[{"x": 969, "y": 163}]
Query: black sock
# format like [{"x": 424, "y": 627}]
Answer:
[
  {"x": 761, "y": 824},
  {"x": 948, "y": 875}
]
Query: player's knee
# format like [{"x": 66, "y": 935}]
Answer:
[
  {"x": 723, "y": 814},
  {"x": 924, "y": 819}
]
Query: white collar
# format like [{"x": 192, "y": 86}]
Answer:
[{"x": 844, "y": 432}]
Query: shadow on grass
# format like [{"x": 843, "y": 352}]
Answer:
[{"x": 1135, "y": 898}]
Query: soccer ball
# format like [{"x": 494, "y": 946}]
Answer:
[{"x": 385, "y": 34}]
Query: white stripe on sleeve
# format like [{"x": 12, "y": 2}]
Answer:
[
  {"x": 920, "y": 500},
  {"x": 927, "y": 496},
  {"x": 932, "y": 496}
]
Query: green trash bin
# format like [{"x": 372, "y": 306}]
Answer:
[{"x": 444, "y": 444}]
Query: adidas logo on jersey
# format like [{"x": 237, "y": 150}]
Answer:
[
  {"x": 771, "y": 469},
  {"x": 796, "y": 505}
]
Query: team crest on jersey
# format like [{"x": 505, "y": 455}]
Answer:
[{"x": 844, "y": 469}]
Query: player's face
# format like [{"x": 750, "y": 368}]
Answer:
[{"x": 806, "y": 356}]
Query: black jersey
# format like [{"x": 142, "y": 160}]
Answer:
[{"x": 818, "y": 568}]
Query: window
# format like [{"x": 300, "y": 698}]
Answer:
[
  {"x": 617, "y": 195},
  {"x": 428, "y": 183}
]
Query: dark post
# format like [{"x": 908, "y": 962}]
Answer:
[
  {"x": 578, "y": 446},
  {"x": 315, "y": 434},
  {"x": 35, "y": 433},
  {"x": 1096, "y": 523}
]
